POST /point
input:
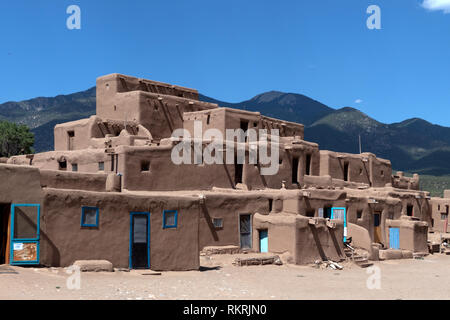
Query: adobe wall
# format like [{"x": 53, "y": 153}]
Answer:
[
  {"x": 229, "y": 207},
  {"x": 308, "y": 202},
  {"x": 281, "y": 230},
  {"x": 227, "y": 118},
  {"x": 319, "y": 241},
  {"x": 98, "y": 133},
  {"x": 390, "y": 203},
  {"x": 440, "y": 209},
  {"x": 70, "y": 180},
  {"x": 360, "y": 212},
  {"x": 300, "y": 240},
  {"x": 64, "y": 240},
  {"x": 87, "y": 160},
  {"x": 159, "y": 110},
  {"x": 413, "y": 234},
  {"x": 21, "y": 185},
  {"x": 362, "y": 168},
  {"x": 401, "y": 182},
  {"x": 164, "y": 175},
  {"x": 254, "y": 179},
  {"x": 82, "y": 131}
]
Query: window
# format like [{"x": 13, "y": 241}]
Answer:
[
  {"x": 295, "y": 170},
  {"x": 376, "y": 219},
  {"x": 89, "y": 216},
  {"x": 346, "y": 171},
  {"x": 327, "y": 212},
  {"x": 145, "y": 166},
  {"x": 382, "y": 173},
  {"x": 101, "y": 166},
  {"x": 238, "y": 171},
  {"x": 208, "y": 119},
  {"x": 359, "y": 214},
  {"x": 244, "y": 127},
  {"x": 71, "y": 137},
  {"x": 62, "y": 164},
  {"x": 270, "y": 205},
  {"x": 218, "y": 223},
  {"x": 308, "y": 165},
  {"x": 74, "y": 167},
  {"x": 170, "y": 219}
]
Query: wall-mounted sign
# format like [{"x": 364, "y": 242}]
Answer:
[{"x": 18, "y": 246}]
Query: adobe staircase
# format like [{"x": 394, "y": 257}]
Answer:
[{"x": 358, "y": 259}]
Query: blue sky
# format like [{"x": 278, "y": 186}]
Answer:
[{"x": 232, "y": 50}]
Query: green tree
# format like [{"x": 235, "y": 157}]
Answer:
[{"x": 15, "y": 139}]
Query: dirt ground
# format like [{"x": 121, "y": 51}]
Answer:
[{"x": 219, "y": 279}]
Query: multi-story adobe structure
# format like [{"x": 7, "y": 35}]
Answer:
[{"x": 110, "y": 190}]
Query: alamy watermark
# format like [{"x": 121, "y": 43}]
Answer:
[
  {"x": 259, "y": 143},
  {"x": 374, "y": 280},
  {"x": 374, "y": 20},
  {"x": 74, "y": 20},
  {"x": 74, "y": 281}
]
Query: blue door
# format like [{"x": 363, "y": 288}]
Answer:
[
  {"x": 263, "y": 241},
  {"x": 340, "y": 213},
  {"x": 25, "y": 234},
  {"x": 394, "y": 238}
]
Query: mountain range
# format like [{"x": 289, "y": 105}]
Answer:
[{"x": 413, "y": 145}]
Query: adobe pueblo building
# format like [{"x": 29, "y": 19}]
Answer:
[{"x": 111, "y": 190}]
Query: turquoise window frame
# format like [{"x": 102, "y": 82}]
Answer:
[
  {"x": 175, "y": 225},
  {"x": 84, "y": 225}
]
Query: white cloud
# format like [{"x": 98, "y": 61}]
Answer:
[
  {"x": 358, "y": 101},
  {"x": 434, "y": 5}
]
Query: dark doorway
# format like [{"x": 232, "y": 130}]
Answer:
[
  {"x": 71, "y": 137},
  {"x": 295, "y": 170},
  {"x": 409, "y": 210},
  {"x": 244, "y": 127},
  {"x": 5, "y": 217},
  {"x": 346, "y": 166},
  {"x": 308, "y": 165},
  {"x": 377, "y": 227},
  {"x": 140, "y": 240},
  {"x": 238, "y": 170},
  {"x": 327, "y": 212},
  {"x": 245, "y": 231}
]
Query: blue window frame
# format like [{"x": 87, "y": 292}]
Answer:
[
  {"x": 89, "y": 217},
  {"x": 170, "y": 219}
]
